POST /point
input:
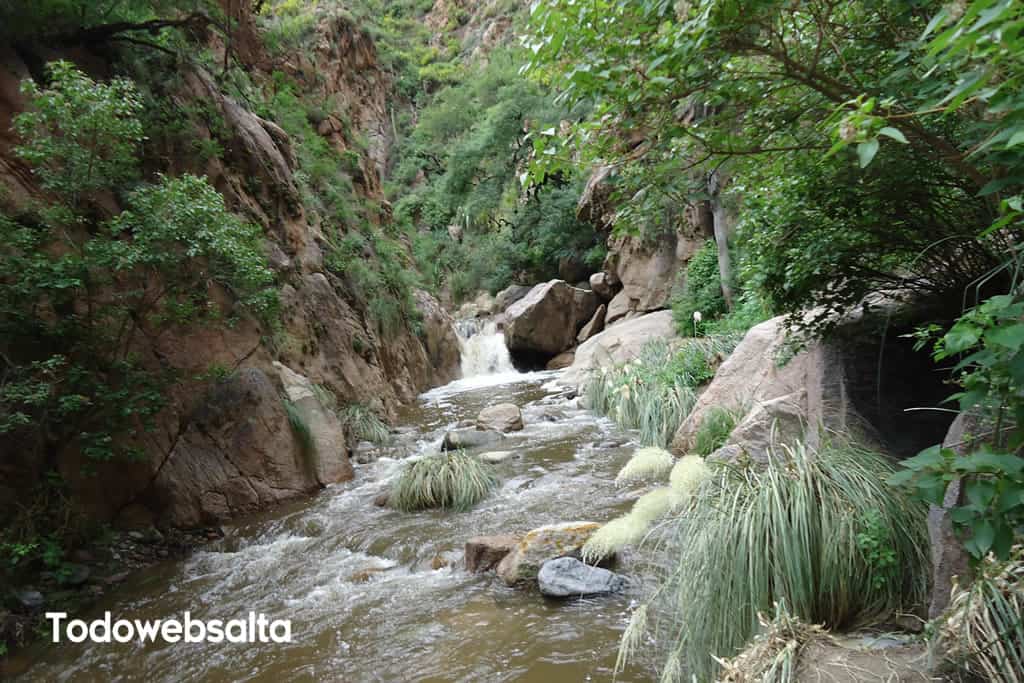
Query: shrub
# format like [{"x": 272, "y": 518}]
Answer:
[
  {"x": 754, "y": 537},
  {"x": 450, "y": 481},
  {"x": 702, "y": 291}
]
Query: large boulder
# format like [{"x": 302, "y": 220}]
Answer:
[
  {"x": 543, "y": 544},
  {"x": 503, "y": 417},
  {"x": 237, "y": 455},
  {"x": 483, "y": 553},
  {"x": 649, "y": 269},
  {"x": 470, "y": 437},
  {"x": 566, "y": 576},
  {"x": 618, "y": 344},
  {"x": 509, "y": 296},
  {"x": 331, "y": 458},
  {"x": 547, "y": 319},
  {"x": 440, "y": 340},
  {"x": 777, "y": 400},
  {"x": 593, "y": 326},
  {"x": 601, "y": 283}
]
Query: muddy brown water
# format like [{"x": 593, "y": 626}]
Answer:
[{"x": 359, "y": 583}]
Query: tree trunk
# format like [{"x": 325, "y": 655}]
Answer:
[{"x": 721, "y": 229}]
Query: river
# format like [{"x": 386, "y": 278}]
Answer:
[{"x": 378, "y": 595}]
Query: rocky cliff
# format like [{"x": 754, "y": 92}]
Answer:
[{"x": 225, "y": 442}]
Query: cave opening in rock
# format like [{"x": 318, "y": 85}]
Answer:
[{"x": 900, "y": 391}]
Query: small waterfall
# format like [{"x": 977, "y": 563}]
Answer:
[{"x": 483, "y": 348}]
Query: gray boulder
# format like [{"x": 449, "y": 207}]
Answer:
[
  {"x": 460, "y": 439},
  {"x": 566, "y": 576}
]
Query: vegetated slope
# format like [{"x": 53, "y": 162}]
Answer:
[{"x": 120, "y": 334}]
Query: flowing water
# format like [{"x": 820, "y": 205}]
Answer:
[{"x": 365, "y": 588}]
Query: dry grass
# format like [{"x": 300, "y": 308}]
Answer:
[
  {"x": 981, "y": 634},
  {"x": 773, "y": 655}
]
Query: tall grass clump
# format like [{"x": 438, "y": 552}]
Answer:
[
  {"x": 982, "y": 632},
  {"x": 654, "y": 392},
  {"x": 363, "y": 423},
  {"x": 791, "y": 532},
  {"x": 450, "y": 481},
  {"x": 714, "y": 430}
]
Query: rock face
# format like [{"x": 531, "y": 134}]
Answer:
[
  {"x": 593, "y": 326},
  {"x": 483, "y": 553},
  {"x": 618, "y": 344},
  {"x": 547, "y": 319},
  {"x": 238, "y": 454},
  {"x": 509, "y": 296},
  {"x": 949, "y": 558},
  {"x": 503, "y": 417},
  {"x": 561, "y": 361},
  {"x": 439, "y": 339},
  {"x": 649, "y": 271},
  {"x": 470, "y": 437},
  {"x": 331, "y": 461},
  {"x": 566, "y": 576},
  {"x": 829, "y": 386},
  {"x": 227, "y": 449},
  {"x": 777, "y": 403},
  {"x": 543, "y": 544}
]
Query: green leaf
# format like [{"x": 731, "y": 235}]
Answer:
[
  {"x": 866, "y": 152},
  {"x": 983, "y": 536},
  {"x": 1010, "y": 337},
  {"x": 895, "y": 134}
]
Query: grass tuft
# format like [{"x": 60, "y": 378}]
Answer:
[
  {"x": 450, "y": 481},
  {"x": 364, "y": 424},
  {"x": 789, "y": 532}
]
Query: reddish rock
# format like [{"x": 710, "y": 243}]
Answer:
[{"x": 483, "y": 553}]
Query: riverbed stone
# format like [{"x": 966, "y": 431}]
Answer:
[
  {"x": 566, "y": 576},
  {"x": 470, "y": 437},
  {"x": 509, "y": 296},
  {"x": 543, "y": 544},
  {"x": 483, "y": 553},
  {"x": 494, "y": 457},
  {"x": 503, "y": 417},
  {"x": 31, "y": 599}
]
